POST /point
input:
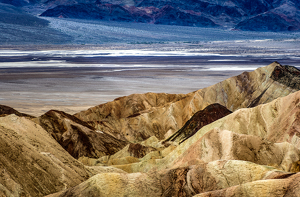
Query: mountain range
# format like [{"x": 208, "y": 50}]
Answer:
[
  {"x": 256, "y": 15},
  {"x": 239, "y": 137},
  {"x": 266, "y": 15}
]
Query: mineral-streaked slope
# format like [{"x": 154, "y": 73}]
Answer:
[
  {"x": 253, "y": 151},
  {"x": 186, "y": 181},
  {"x": 140, "y": 116},
  {"x": 236, "y": 161},
  {"x": 77, "y": 137},
  {"x": 251, "y": 132},
  {"x": 32, "y": 163},
  {"x": 115, "y": 117},
  {"x": 288, "y": 187},
  {"x": 277, "y": 121}
]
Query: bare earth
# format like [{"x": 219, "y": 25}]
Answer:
[{"x": 35, "y": 79}]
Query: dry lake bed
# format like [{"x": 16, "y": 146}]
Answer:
[{"x": 35, "y": 79}]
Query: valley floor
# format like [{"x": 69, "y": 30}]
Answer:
[{"x": 35, "y": 79}]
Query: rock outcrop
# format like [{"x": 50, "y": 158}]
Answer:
[
  {"x": 6, "y": 110},
  {"x": 252, "y": 151},
  {"x": 277, "y": 121},
  {"x": 186, "y": 181},
  {"x": 201, "y": 118},
  {"x": 113, "y": 116},
  {"x": 138, "y": 117},
  {"x": 288, "y": 187},
  {"x": 32, "y": 163},
  {"x": 77, "y": 137},
  {"x": 267, "y": 134}
]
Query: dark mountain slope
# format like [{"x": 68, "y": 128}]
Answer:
[
  {"x": 16, "y": 26},
  {"x": 201, "y": 118},
  {"x": 77, "y": 137}
]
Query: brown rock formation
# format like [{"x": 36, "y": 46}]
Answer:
[
  {"x": 288, "y": 187},
  {"x": 254, "y": 134},
  {"x": 277, "y": 121},
  {"x": 201, "y": 118},
  {"x": 226, "y": 145},
  {"x": 6, "y": 110},
  {"x": 253, "y": 151},
  {"x": 138, "y": 117},
  {"x": 77, "y": 137},
  {"x": 287, "y": 75},
  {"x": 32, "y": 163},
  {"x": 112, "y": 117},
  {"x": 184, "y": 181}
]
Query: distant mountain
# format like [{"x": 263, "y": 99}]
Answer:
[
  {"x": 167, "y": 15},
  {"x": 17, "y": 26},
  {"x": 16, "y": 3},
  {"x": 257, "y": 15}
]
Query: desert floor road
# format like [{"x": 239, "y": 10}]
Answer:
[{"x": 72, "y": 79}]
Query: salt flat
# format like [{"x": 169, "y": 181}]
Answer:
[{"x": 35, "y": 79}]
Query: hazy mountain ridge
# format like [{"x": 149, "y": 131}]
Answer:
[
  {"x": 19, "y": 27},
  {"x": 243, "y": 15}
]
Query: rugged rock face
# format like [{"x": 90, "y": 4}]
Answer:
[
  {"x": 257, "y": 134},
  {"x": 185, "y": 181},
  {"x": 287, "y": 75},
  {"x": 106, "y": 117},
  {"x": 77, "y": 137},
  {"x": 213, "y": 146},
  {"x": 276, "y": 121},
  {"x": 32, "y": 163},
  {"x": 201, "y": 118},
  {"x": 5, "y": 110},
  {"x": 138, "y": 117},
  {"x": 252, "y": 151},
  {"x": 215, "y": 161},
  {"x": 274, "y": 187}
]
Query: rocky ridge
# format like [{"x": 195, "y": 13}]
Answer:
[
  {"x": 6, "y": 110},
  {"x": 239, "y": 137},
  {"x": 77, "y": 137},
  {"x": 207, "y": 154},
  {"x": 140, "y": 116},
  {"x": 32, "y": 163}
]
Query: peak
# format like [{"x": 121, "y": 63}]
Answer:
[
  {"x": 6, "y": 110},
  {"x": 287, "y": 75}
]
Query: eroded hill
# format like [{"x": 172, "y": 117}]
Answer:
[
  {"x": 240, "y": 137},
  {"x": 140, "y": 116}
]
